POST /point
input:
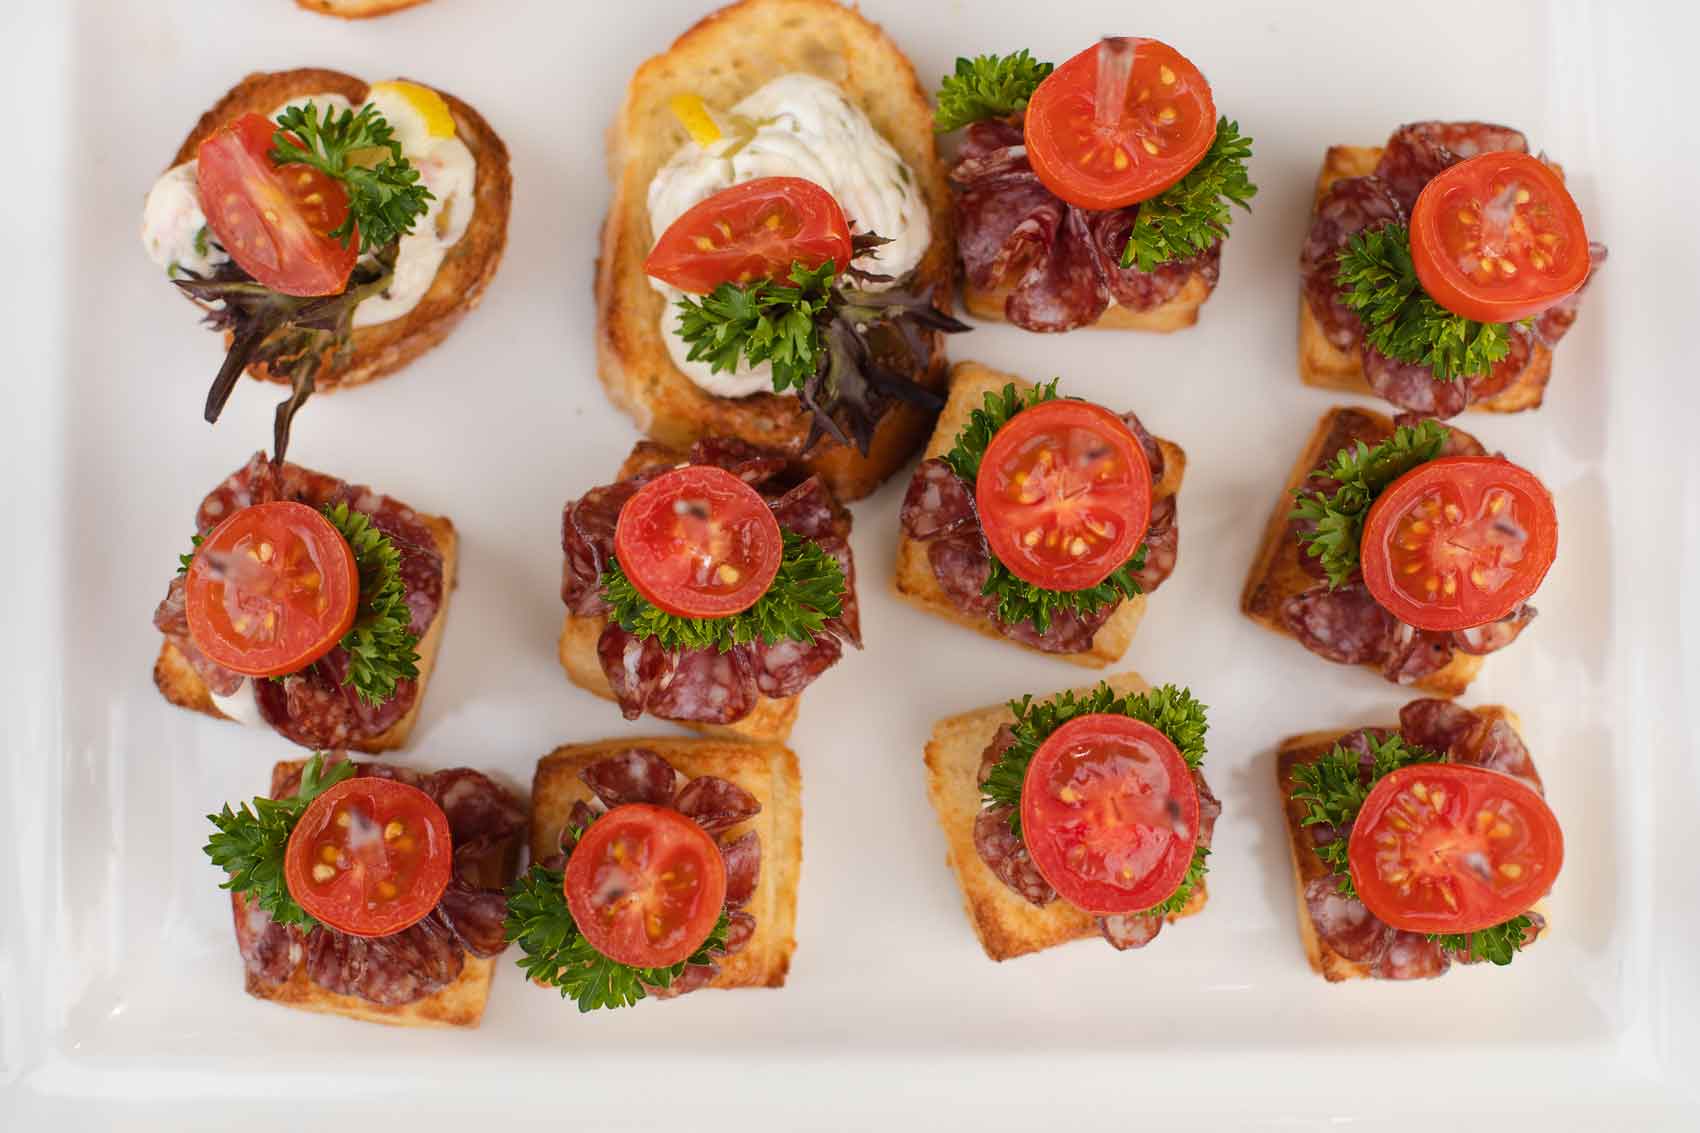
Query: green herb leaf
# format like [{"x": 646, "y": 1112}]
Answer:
[
  {"x": 249, "y": 843},
  {"x": 1334, "y": 789},
  {"x": 805, "y": 594},
  {"x": 1379, "y": 282},
  {"x": 761, "y": 321},
  {"x": 983, "y": 424},
  {"x": 1363, "y": 474},
  {"x": 1193, "y": 213},
  {"x": 1497, "y": 944},
  {"x": 555, "y": 953},
  {"x": 188, "y": 556},
  {"x": 987, "y": 86},
  {"x": 380, "y": 644},
  {"x": 1182, "y": 896},
  {"x": 384, "y": 199}
]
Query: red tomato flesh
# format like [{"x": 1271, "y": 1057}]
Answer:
[
  {"x": 1498, "y": 238},
  {"x": 370, "y": 856},
  {"x": 1459, "y": 542},
  {"x": 699, "y": 542},
  {"x": 1166, "y": 124},
  {"x": 275, "y": 221},
  {"x": 1109, "y": 813},
  {"x": 1064, "y": 494},
  {"x": 756, "y": 230},
  {"x": 271, "y": 589},
  {"x": 1452, "y": 848},
  {"x": 645, "y": 885}
]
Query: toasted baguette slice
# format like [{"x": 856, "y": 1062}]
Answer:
[
  {"x": 356, "y": 9},
  {"x": 767, "y": 771},
  {"x": 726, "y": 56},
  {"x": 458, "y": 1004},
  {"x": 1277, "y": 573},
  {"x": 179, "y": 683},
  {"x": 1007, "y": 924},
  {"x": 1321, "y": 363},
  {"x": 970, "y": 382},
  {"x": 1177, "y": 314},
  {"x": 467, "y": 268},
  {"x": 1307, "y": 866}
]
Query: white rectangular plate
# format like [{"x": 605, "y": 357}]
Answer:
[{"x": 120, "y": 988}]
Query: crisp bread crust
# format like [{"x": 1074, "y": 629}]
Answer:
[
  {"x": 1323, "y": 364},
  {"x": 767, "y": 771},
  {"x": 723, "y": 58},
  {"x": 1176, "y": 314},
  {"x": 1006, "y": 924},
  {"x": 180, "y": 684},
  {"x": 460, "y": 1003},
  {"x": 914, "y": 580},
  {"x": 1307, "y": 866},
  {"x": 1277, "y": 572},
  {"x": 465, "y": 271}
]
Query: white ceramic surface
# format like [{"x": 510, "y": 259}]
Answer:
[{"x": 120, "y": 988}]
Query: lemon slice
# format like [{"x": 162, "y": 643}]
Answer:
[
  {"x": 429, "y": 105},
  {"x": 695, "y": 118}
]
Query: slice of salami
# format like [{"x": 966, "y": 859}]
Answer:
[
  {"x": 1410, "y": 956},
  {"x": 637, "y": 775},
  {"x": 740, "y": 928},
  {"x": 475, "y": 917},
  {"x": 1006, "y": 856},
  {"x": 1107, "y": 234},
  {"x": 477, "y": 807},
  {"x": 716, "y": 804},
  {"x": 1344, "y": 924},
  {"x": 1413, "y": 654},
  {"x": 587, "y": 538},
  {"x": 991, "y": 148},
  {"x": 1413, "y": 386},
  {"x": 316, "y": 709},
  {"x": 1153, "y": 450},
  {"x": 1129, "y": 930},
  {"x": 937, "y": 502},
  {"x": 269, "y": 950},
  {"x": 1209, "y": 810},
  {"x": 1350, "y": 206},
  {"x": 1061, "y": 290},
  {"x": 1005, "y": 228},
  {"x": 579, "y": 819},
  {"x": 753, "y": 465},
  {"x": 1002, "y": 740},
  {"x": 1520, "y": 347},
  {"x": 633, "y": 665},
  {"x": 1162, "y": 545},
  {"x": 786, "y": 668},
  {"x": 1437, "y": 724},
  {"x": 743, "y": 868},
  {"x": 1345, "y": 625},
  {"x": 1419, "y": 150},
  {"x": 389, "y": 970},
  {"x": 706, "y": 686},
  {"x": 171, "y": 618},
  {"x": 1498, "y": 747},
  {"x": 1494, "y": 636},
  {"x": 694, "y": 978}
]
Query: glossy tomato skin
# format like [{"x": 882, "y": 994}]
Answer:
[
  {"x": 271, "y": 589},
  {"x": 755, "y": 230},
  {"x": 1459, "y": 542},
  {"x": 1167, "y": 124},
  {"x": 645, "y": 885},
  {"x": 1110, "y": 814},
  {"x": 275, "y": 221},
  {"x": 370, "y": 856},
  {"x": 1452, "y": 848},
  {"x": 1064, "y": 494},
  {"x": 699, "y": 542},
  {"x": 1498, "y": 238}
]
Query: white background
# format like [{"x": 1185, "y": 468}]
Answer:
[{"x": 120, "y": 987}]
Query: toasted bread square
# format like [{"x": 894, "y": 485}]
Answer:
[
  {"x": 970, "y": 382},
  {"x": 457, "y": 1004},
  {"x": 1006, "y": 923},
  {"x": 465, "y": 271},
  {"x": 1277, "y": 573},
  {"x": 179, "y": 683},
  {"x": 1307, "y": 866},
  {"x": 1323, "y": 364},
  {"x": 767, "y": 771},
  {"x": 1177, "y": 314},
  {"x": 726, "y": 56}
]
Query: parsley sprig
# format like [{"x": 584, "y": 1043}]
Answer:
[
  {"x": 804, "y": 595},
  {"x": 380, "y": 644},
  {"x": 1497, "y": 944},
  {"x": 1193, "y": 213},
  {"x": 556, "y": 953},
  {"x": 1379, "y": 282},
  {"x": 249, "y": 843},
  {"x": 761, "y": 321},
  {"x": 1019, "y": 600},
  {"x": 385, "y": 198},
  {"x": 1363, "y": 474},
  {"x": 987, "y": 86}
]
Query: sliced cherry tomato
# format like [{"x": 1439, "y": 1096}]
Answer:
[
  {"x": 1167, "y": 123},
  {"x": 699, "y": 542},
  {"x": 1453, "y": 848},
  {"x": 275, "y": 221},
  {"x": 645, "y": 885},
  {"x": 1109, "y": 812},
  {"x": 751, "y": 231},
  {"x": 1498, "y": 238},
  {"x": 1459, "y": 542},
  {"x": 1064, "y": 493},
  {"x": 271, "y": 589},
  {"x": 370, "y": 856}
]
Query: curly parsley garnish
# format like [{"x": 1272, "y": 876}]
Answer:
[
  {"x": 1363, "y": 474},
  {"x": 1497, "y": 944},
  {"x": 380, "y": 643},
  {"x": 1193, "y": 213},
  {"x": 806, "y": 593},
  {"x": 987, "y": 86},
  {"x": 1379, "y": 282},
  {"x": 384, "y": 197},
  {"x": 249, "y": 843},
  {"x": 557, "y": 954},
  {"x": 1019, "y": 600}
]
